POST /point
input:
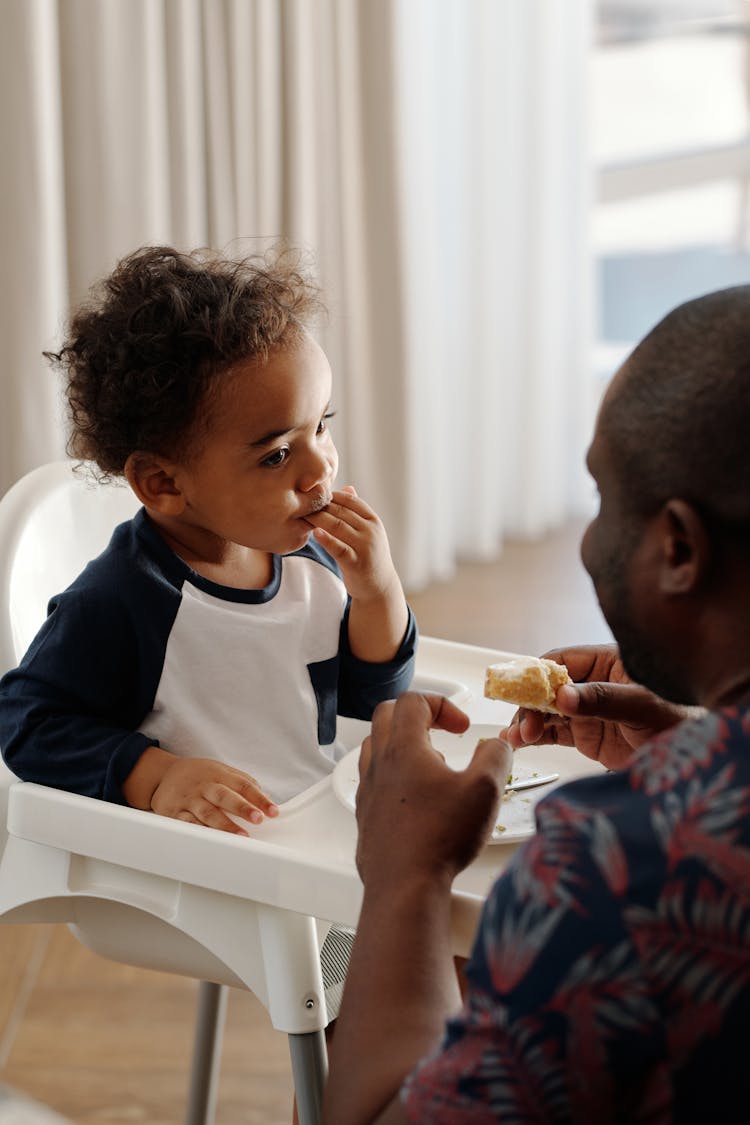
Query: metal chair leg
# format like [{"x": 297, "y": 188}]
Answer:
[
  {"x": 309, "y": 1070},
  {"x": 204, "y": 1074}
]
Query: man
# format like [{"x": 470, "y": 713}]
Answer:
[{"x": 610, "y": 978}]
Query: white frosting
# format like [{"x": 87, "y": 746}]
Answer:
[{"x": 518, "y": 665}]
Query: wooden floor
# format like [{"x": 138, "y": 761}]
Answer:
[{"x": 107, "y": 1043}]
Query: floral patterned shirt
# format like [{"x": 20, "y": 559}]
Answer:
[{"x": 610, "y": 977}]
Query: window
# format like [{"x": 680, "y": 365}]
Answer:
[{"x": 670, "y": 92}]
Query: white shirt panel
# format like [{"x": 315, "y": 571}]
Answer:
[{"x": 235, "y": 684}]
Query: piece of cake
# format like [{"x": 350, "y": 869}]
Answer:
[{"x": 526, "y": 681}]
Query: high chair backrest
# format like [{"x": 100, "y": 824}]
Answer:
[{"x": 52, "y": 522}]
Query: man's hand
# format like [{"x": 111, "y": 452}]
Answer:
[
  {"x": 416, "y": 816},
  {"x": 604, "y": 714},
  {"x": 196, "y": 790},
  {"x": 420, "y": 823}
]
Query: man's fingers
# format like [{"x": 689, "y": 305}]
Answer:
[
  {"x": 586, "y": 663},
  {"x": 525, "y": 729},
  {"x": 623, "y": 703},
  {"x": 492, "y": 758},
  {"x": 414, "y": 718},
  {"x": 435, "y": 711},
  {"x": 447, "y": 716},
  {"x": 414, "y": 713},
  {"x": 403, "y": 725},
  {"x": 475, "y": 794},
  {"x": 381, "y": 720},
  {"x": 365, "y": 755}
]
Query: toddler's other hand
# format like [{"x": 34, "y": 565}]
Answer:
[
  {"x": 354, "y": 536},
  {"x": 203, "y": 791}
]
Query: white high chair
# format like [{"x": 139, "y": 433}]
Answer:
[{"x": 135, "y": 887}]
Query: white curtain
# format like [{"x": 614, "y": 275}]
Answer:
[{"x": 430, "y": 154}]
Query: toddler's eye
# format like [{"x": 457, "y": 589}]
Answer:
[
  {"x": 322, "y": 427},
  {"x": 278, "y": 457}
]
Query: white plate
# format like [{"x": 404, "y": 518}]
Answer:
[
  {"x": 455, "y": 690},
  {"x": 516, "y": 815}
]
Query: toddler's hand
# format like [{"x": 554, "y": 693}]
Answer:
[
  {"x": 202, "y": 791},
  {"x": 354, "y": 536}
]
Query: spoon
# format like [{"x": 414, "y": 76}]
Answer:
[{"x": 531, "y": 782}]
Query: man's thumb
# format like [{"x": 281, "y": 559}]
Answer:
[
  {"x": 616, "y": 702},
  {"x": 492, "y": 758}
]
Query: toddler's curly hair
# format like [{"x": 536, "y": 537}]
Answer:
[{"x": 144, "y": 352}]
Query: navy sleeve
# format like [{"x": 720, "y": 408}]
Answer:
[
  {"x": 69, "y": 713},
  {"x": 362, "y": 684}
]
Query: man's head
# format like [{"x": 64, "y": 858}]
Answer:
[{"x": 671, "y": 458}]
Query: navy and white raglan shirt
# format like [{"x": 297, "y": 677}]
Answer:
[{"x": 140, "y": 650}]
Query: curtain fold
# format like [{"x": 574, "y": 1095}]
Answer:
[
  {"x": 495, "y": 193},
  {"x": 33, "y": 290},
  {"x": 430, "y": 155}
]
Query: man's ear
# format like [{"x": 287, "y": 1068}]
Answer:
[
  {"x": 685, "y": 548},
  {"x": 154, "y": 481}
]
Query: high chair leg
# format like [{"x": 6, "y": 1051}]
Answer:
[
  {"x": 204, "y": 1073},
  {"x": 309, "y": 1070}
]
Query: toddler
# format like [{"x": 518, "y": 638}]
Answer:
[{"x": 197, "y": 666}]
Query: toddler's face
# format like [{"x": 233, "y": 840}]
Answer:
[{"x": 268, "y": 459}]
